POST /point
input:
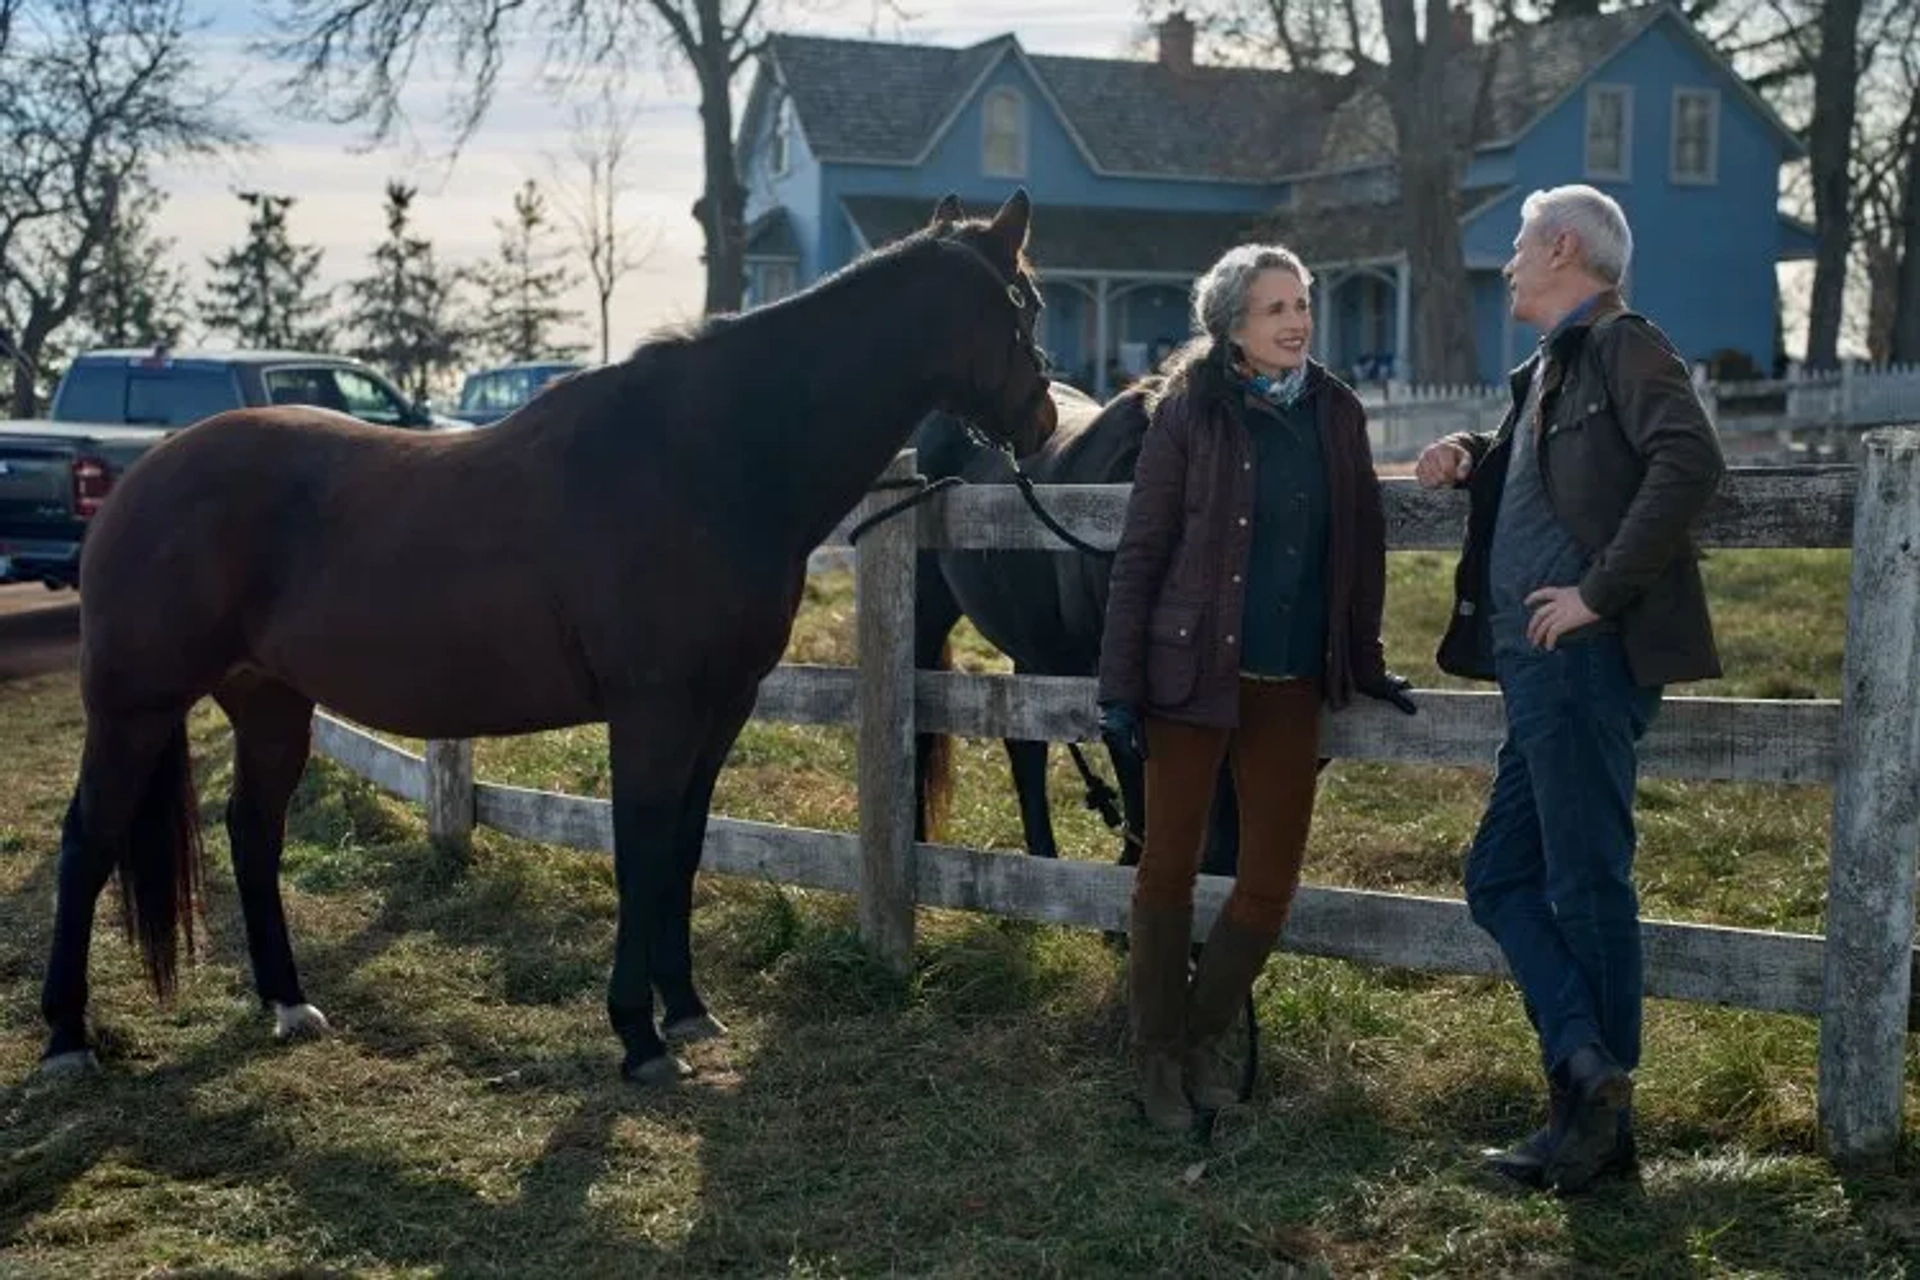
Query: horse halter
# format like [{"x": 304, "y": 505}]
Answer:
[{"x": 1026, "y": 319}]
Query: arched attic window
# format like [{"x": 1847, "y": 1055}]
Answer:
[{"x": 1003, "y": 134}]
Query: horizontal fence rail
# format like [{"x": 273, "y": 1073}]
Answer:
[
  {"x": 1707, "y": 964},
  {"x": 1756, "y": 507},
  {"x": 1707, "y": 739}
]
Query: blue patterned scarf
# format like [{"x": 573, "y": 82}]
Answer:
[{"x": 1282, "y": 392}]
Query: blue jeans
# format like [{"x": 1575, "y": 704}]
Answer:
[{"x": 1550, "y": 873}]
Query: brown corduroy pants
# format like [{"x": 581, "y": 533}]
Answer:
[{"x": 1275, "y": 754}]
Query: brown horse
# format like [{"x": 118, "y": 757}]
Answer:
[{"x": 628, "y": 548}]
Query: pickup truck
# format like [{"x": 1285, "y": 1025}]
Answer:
[{"x": 111, "y": 406}]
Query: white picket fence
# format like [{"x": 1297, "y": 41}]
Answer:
[{"x": 1402, "y": 419}]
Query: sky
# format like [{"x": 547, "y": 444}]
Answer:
[{"x": 339, "y": 180}]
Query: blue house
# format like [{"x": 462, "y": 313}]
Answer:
[{"x": 1143, "y": 172}]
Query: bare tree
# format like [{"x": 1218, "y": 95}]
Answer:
[
  {"x": 1836, "y": 76},
  {"x": 1904, "y": 337},
  {"x": 92, "y": 93},
  {"x": 590, "y": 202},
  {"x": 353, "y": 58},
  {"x": 1431, "y": 159}
]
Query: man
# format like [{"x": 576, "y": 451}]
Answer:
[{"x": 1578, "y": 590}]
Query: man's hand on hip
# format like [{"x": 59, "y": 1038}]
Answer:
[{"x": 1556, "y": 611}]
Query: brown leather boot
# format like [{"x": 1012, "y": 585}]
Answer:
[
  {"x": 1230, "y": 962},
  {"x": 1158, "y": 940}
]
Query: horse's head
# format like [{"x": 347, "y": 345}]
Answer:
[{"x": 1003, "y": 381}]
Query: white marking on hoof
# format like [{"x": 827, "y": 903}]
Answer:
[
  {"x": 75, "y": 1062},
  {"x": 663, "y": 1070},
  {"x": 298, "y": 1022},
  {"x": 702, "y": 1026}
]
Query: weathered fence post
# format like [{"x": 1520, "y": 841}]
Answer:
[
  {"x": 1876, "y": 814},
  {"x": 884, "y": 563},
  {"x": 450, "y": 793}
]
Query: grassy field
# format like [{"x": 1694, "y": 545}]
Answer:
[{"x": 968, "y": 1119}]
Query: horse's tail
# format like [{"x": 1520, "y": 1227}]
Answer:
[
  {"x": 159, "y": 864},
  {"x": 936, "y": 778}
]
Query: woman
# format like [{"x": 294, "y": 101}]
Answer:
[{"x": 1246, "y": 592}]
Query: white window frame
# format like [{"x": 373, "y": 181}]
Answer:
[
  {"x": 780, "y": 140},
  {"x": 783, "y": 271},
  {"x": 1018, "y": 169},
  {"x": 1624, "y": 92},
  {"x": 1712, "y": 175}
]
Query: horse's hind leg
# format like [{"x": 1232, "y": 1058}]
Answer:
[
  {"x": 117, "y": 777},
  {"x": 272, "y": 735}
]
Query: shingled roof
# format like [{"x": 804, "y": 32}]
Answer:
[{"x": 872, "y": 102}]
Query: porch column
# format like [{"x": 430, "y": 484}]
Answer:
[
  {"x": 1322, "y": 316},
  {"x": 1100, "y": 338},
  {"x": 1402, "y": 319}
]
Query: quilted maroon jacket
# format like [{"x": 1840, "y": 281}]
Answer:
[{"x": 1177, "y": 591}]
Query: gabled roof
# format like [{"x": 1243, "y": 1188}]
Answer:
[
  {"x": 1526, "y": 74},
  {"x": 870, "y": 102},
  {"x": 865, "y": 102}
]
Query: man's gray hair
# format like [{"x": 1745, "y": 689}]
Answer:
[
  {"x": 1220, "y": 296},
  {"x": 1593, "y": 217}
]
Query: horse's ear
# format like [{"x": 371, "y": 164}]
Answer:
[
  {"x": 946, "y": 213},
  {"x": 1010, "y": 224}
]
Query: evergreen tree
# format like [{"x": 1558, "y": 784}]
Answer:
[
  {"x": 263, "y": 293},
  {"x": 524, "y": 285},
  {"x": 404, "y": 310}
]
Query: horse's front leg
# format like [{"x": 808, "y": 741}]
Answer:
[
  {"x": 1029, "y": 763},
  {"x": 685, "y": 1018},
  {"x": 654, "y": 753}
]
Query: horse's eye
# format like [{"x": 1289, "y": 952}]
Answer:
[{"x": 1016, "y": 297}]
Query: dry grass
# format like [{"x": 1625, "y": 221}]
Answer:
[{"x": 967, "y": 1119}]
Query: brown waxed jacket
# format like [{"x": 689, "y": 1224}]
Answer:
[
  {"x": 1628, "y": 458},
  {"x": 1177, "y": 591}
]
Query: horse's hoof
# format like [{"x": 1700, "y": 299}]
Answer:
[
  {"x": 692, "y": 1030},
  {"x": 74, "y": 1062},
  {"x": 661, "y": 1069},
  {"x": 298, "y": 1022}
]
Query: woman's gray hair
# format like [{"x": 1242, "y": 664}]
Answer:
[
  {"x": 1596, "y": 221},
  {"x": 1220, "y": 296}
]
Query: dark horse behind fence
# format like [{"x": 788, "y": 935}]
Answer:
[
  {"x": 1043, "y": 609},
  {"x": 631, "y": 548}
]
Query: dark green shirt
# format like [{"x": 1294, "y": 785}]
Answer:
[{"x": 1285, "y": 621}]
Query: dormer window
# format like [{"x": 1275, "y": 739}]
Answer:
[
  {"x": 1003, "y": 135},
  {"x": 780, "y": 145}
]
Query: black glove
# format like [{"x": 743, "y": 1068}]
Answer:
[
  {"x": 1388, "y": 687},
  {"x": 1122, "y": 728}
]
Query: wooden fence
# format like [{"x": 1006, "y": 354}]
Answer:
[{"x": 1857, "y": 979}]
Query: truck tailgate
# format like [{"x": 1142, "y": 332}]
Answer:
[{"x": 36, "y": 487}]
